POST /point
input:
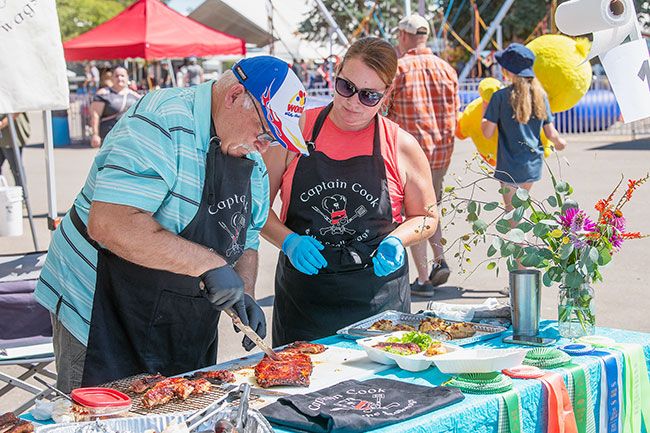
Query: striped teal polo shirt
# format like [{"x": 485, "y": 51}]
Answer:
[{"x": 154, "y": 160}]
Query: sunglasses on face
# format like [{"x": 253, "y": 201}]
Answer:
[
  {"x": 347, "y": 89},
  {"x": 265, "y": 136}
]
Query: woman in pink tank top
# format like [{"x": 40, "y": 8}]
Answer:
[{"x": 348, "y": 209}]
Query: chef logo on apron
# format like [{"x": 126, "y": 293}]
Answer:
[
  {"x": 371, "y": 406},
  {"x": 236, "y": 224},
  {"x": 334, "y": 212}
]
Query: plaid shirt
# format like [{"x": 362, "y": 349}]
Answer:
[{"x": 425, "y": 103}]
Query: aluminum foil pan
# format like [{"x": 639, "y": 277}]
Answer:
[
  {"x": 360, "y": 328},
  {"x": 256, "y": 423}
]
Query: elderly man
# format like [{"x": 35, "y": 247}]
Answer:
[
  {"x": 164, "y": 233},
  {"x": 425, "y": 103}
]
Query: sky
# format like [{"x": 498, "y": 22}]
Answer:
[{"x": 288, "y": 14}]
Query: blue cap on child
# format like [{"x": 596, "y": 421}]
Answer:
[{"x": 517, "y": 59}]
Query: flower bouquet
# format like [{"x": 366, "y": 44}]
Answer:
[{"x": 554, "y": 235}]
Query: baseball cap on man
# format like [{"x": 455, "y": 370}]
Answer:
[
  {"x": 517, "y": 59},
  {"x": 414, "y": 24},
  {"x": 280, "y": 93}
]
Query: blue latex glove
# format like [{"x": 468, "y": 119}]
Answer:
[
  {"x": 304, "y": 253},
  {"x": 389, "y": 257}
]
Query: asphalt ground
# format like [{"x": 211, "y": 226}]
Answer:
[{"x": 592, "y": 164}]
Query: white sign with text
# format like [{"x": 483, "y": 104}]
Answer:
[
  {"x": 628, "y": 69},
  {"x": 32, "y": 67}
]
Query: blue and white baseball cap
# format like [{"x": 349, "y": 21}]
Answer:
[{"x": 281, "y": 95}]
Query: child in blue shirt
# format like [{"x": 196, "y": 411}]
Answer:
[{"x": 519, "y": 112}]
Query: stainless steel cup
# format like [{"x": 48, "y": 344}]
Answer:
[{"x": 525, "y": 302}]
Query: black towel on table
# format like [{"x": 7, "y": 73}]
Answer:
[{"x": 354, "y": 406}]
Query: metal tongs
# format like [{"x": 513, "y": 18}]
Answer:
[{"x": 202, "y": 415}]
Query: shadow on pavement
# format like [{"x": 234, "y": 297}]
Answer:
[{"x": 641, "y": 144}]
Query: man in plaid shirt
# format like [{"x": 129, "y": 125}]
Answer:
[{"x": 425, "y": 103}]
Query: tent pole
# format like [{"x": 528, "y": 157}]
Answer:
[
  {"x": 52, "y": 213},
  {"x": 23, "y": 179},
  {"x": 171, "y": 71}
]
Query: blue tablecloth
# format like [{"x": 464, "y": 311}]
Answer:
[{"x": 480, "y": 413}]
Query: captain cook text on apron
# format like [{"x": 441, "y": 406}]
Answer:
[
  {"x": 345, "y": 205},
  {"x": 147, "y": 320}
]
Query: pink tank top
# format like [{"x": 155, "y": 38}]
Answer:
[{"x": 341, "y": 145}]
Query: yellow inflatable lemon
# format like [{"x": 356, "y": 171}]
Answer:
[
  {"x": 469, "y": 122},
  {"x": 561, "y": 68},
  {"x": 558, "y": 66}
]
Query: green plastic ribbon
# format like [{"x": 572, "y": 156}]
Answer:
[
  {"x": 493, "y": 383},
  {"x": 636, "y": 385},
  {"x": 581, "y": 398},
  {"x": 546, "y": 358},
  {"x": 510, "y": 413}
]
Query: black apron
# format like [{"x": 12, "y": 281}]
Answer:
[
  {"x": 346, "y": 206},
  {"x": 146, "y": 320}
]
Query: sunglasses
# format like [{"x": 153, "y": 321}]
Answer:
[
  {"x": 265, "y": 136},
  {"x": 347, "y": 89}
]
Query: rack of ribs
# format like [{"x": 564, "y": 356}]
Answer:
[
  {"x": 179, "y": 387},
  {"x": 144, "y": 383},
  {"x": 305, "y": 347},
  {"x": 293, "y": 369}
]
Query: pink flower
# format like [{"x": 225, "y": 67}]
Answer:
[{"x": 577, "y": 221}]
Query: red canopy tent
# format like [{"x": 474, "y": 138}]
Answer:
[{"x": 150, "y": 30}]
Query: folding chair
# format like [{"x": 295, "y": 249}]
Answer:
[{"x": 25, "y": 327}]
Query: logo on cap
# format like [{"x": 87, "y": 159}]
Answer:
[
  {"x": 296, "y": 104},
  {"x": 241, "y": 72}
]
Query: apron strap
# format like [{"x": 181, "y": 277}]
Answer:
[
  {"x": 81, "y": 228},
  {"x": 318, "y": 125},
  {"x": 320, "y": 120}
]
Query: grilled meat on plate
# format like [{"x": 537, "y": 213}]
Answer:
[
  {"x": 293, "y": 369},
  {"x": 305, "y": 347}
]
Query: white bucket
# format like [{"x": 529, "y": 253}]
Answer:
[{"x": 11, "y": 209}]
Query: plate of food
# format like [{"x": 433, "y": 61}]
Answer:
[
  {"x": 410, "y": 350},
  {"x": 459, "y": 333}
]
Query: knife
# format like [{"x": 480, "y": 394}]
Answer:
[{"x": 248, "y": 331}]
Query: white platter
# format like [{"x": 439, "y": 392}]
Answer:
[
  {"x": 479, "y": 360},
  {"x": 416, "y": 362}
]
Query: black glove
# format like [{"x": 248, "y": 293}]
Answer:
[
  {"x": 251, "y": 314},
  {"x": 223, "y": 287}
]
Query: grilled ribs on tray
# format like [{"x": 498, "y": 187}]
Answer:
[
  {"x": 141, "y": 385},
  {"x": 216, "y": 376},
  {"x": 10, "y": 423},
  {"x": 293, "y": 369},
  {"x": 175, "y": 387}
]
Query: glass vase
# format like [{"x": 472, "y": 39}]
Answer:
[{"x": 576, "y": 311}]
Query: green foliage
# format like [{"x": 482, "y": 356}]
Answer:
[{"x": 79, "y": 16}]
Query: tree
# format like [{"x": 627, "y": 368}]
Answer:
[
  {"x": 79, "y": 16},
  {"x": 521, "y": 20}
]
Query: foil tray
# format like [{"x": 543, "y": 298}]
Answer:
[{"x": 360, "y": 328}]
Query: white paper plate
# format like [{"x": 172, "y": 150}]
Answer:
[
  {"x": 479, "y": 360},
  {"x": 416, "y": 362}
]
